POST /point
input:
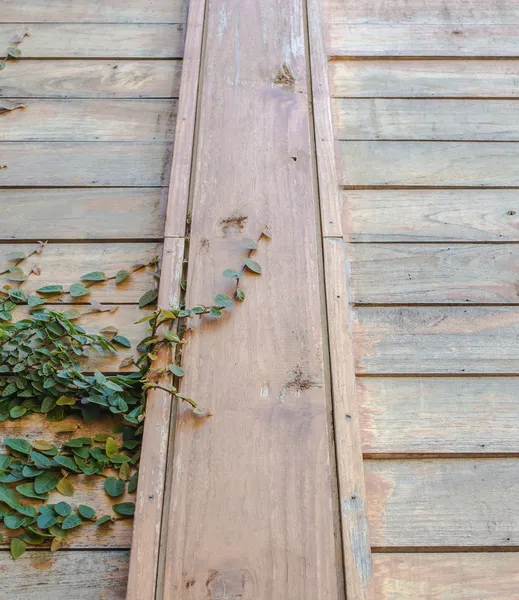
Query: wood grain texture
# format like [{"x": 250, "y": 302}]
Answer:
[
  {"x": 442, "y": 502},
  {"x": 423, "y": 11},
  {"x": 425, "y": 78},
  {"x": 82, "y": 214},
  {"x": 434, "y": 273},
  {"x": 431, "y": 215},
  {"x": 347, "y": 426},
  {"x": 389, "y": 119},
  {"x": 84, "y": 164},
  {"x": 261, "y": 463},
  {"x": 403, "y": 39},
  {"x": 432, "y": 340},
  {"x": 91, "y": 79},
  {"x": 92, "y": 11},
  {"x": 66, "y": 263},
  {"x": 439, "y": 414},
  {"x": 103, "y": 120},
  {"x": 91, "y": 575},
  {"x": 81, "y": 40},
  {"x": 452, "y": 576},
  {"x": 429, "y": 164}
]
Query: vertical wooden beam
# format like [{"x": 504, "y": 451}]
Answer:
[{"x": 251, "y": 512}]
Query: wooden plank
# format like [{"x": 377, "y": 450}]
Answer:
[
  {"x": 443, "y": 502},
  {"x": 90, "y": 575},
  {"x": 66, "y": 263},
  {"x": 456, "y": 576},
  {"x": 423, "y": 11},
  {"x": 389, "y": 119},
  {"x": 402, "y": 39},
  {"x": 92, "y": 11},
  {"x": 425, "y": 78},
  {"x": 437, "y": 340},
  {"x": 434, "y": 273},
  {"x": 89, "y": 120},
  {"x": 439, "y": 414},
  {"x": 347, "y": 427},
  {"x": 82, "y": 214},
  {"x": 431, "y": 215},
  {"x": 269, "y": 407},
  {"x": 81, "y": 40},
  {"x": 91, "y": 79},
  {"x": 84, "y": 164},
  {"x": 429, "y": 164}
]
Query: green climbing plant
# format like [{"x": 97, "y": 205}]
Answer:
[{"x": 42, "y": 371}]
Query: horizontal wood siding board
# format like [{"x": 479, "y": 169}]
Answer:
[
  {"x": 72, "y": 164},
  {"x": 91, "y": 79},
  {"x": 66, "y": 263},
  {"x": 439, "y": 414},
  {"x": 425, "y": 78},
  {"x": 103, "y": 120},
  {"x": 428, "y": 119},
  {"x": 431, "y": 215},
  {"x": 484, "y": 164},
  {"x": 441, "y": 340},
  {"x": 82, "y": 214},
  {"x": 402, "y": 39},
  {"x": 93, "y": 11},
  {"x": 443, "y": 503},
  {"x": 81, "y": 40},
  {"x": 434, "y": 273},
  {"x": 65, "y": 574},
  {"x": 452, "y": 576}
]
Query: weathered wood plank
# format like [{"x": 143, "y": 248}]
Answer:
[
  {"x": 84, "y": 164},
  {"x": 91, "y": 79},
  {"x": 347, "y": 426},
  {"x": 253, "y": 119},
  {"x": 429, "y": 163},
  {"x": 389, "y": 119},
  {"x": 434, "y": 273},
  {"x": 443, "y": 502},
  {"x": 398, "y": 39},
  {"x": 423, "y": 11},
  {"x": 92, "y": 11},
  {"x": 452, "y": 576},
  {"x": 89, "y": 120},
  {"x": 439, "y": 414},
  {"x": 430, "y": 215},
  {"x": 66, "y": 263},
  {"x": 81, "y": 40},
  {"x": 425, "y": 78},
  {"x": 85, "y": 575},
  {"x": 82, "y": 214},
  {"x": 437, "y": 340}
]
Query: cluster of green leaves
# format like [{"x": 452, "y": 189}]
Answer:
[
  {"x": 13, "y": 51},
  {"x": 41, "y": 358}
]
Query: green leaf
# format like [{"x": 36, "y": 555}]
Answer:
[
  {"x": 176, "y": 370},
  {"x": 28, "y": 490},
  {"x": 17, "y": 548},
  {"x": 66, "y": 462},
  {"x": 232, "y": 273},
  {"x": 125, "y": 508},
  {"x": 120, "y": 339},
  {"x": 65, "y": 488},
  {"x": 223, "y": 300},
  {"x": 103, "y": 520},
  {"x": 63, "y": 509},
  {"x": 14, "y": 52},
  {"x": 46, "y": 520},
  {"x": 11, "y": 256},
  {"x": 66, "y": 401},
  {"x": 122, "y": 275},
  {"x": 132, "y": 484},
  {"x": 17, "y": 295},
  {"x": 112, "y": 447},
  {"x": 114, "y": 487},
  {"x": 40, "y": 460},
  {"x": 72, "y": 521},
  {"x": 51, "y": 289},
  {"x": 45, "y": 482},
  {"x": 18, "y": 445},
  {"x": 240, "y": 294},
  {"x": 86, "y": 511},
  {"x": 78, "y": 442},
  {"x": 17, "y": 411},
  {"x": 14, "y": 521},
  {"x": 215, "y": 312},
  {"x": 34, "y": 300},
  {"x": 77, "y": 290},
  {"x": 252, "y": 265},
  {"x": 148, "y": 297},
  {"x": 93, "y": 276}
]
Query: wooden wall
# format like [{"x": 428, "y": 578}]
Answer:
[
  {"x": 86, "y": 167},
  {"x": 424, "y": 105}
]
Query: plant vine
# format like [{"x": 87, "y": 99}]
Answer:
[{"x": 43, "y": 372}]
